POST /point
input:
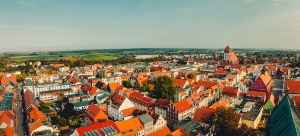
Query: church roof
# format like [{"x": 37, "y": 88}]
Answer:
[{"x": 284, "y": 120}]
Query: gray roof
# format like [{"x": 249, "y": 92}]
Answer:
[
  {"x": 191, "y": 126},
  {"x": 79, "y": 104},
  {"x": 28, "y": 83},
  {"x": 146, "y": 118},
  {"x": 278, "y": 84},
  {"x": 7, "y": 102}
]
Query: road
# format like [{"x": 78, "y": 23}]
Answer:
[
  {"x": 19, "y": 131},
  {"x": 19, "y": 121}
]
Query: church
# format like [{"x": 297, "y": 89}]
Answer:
[{"x": 229, "y": 56}]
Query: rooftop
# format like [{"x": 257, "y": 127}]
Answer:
[{"x": 7, "y": 102}]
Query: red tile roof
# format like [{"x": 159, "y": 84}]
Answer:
[
  {"x": 162, "y": 132},
  {"x": 293, "y": 85},
  {"x": 182, "y": 106},
  {"x": 6, "y": 118},
  {"x": 97, "y": 127},
  {"x": 202, "y": 115},
  {"x": 178, "y": 132},
  {"x": 162, "y": 103},
  {"x": 179, "y": 82}
]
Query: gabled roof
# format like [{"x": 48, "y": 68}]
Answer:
[
  {"x": 114, "y": 86},
  {"x": 178, "y": 132},
  {"x": 162, "y": 103},
  {"x": 36, "y": 125},
  {"x": 293, "y": 85},
  {"x": 162, "y": 132},
  {"x": 6, "y": 117},
  {"x": 145, "y": 118},
  {"x": 284, "y": 120},
  {"x": 130, "y": 126},
  {"x": 202, "y": 115},
  {"x": 206, "y": 84},
  {"x": 93, "y": 111},
  {"x": 221, "y": 103},
  {"x": 128, "y": 111},
  {"x": 98, "y": 127},
  {"x": 180, "y": 82},
  {"x": 182, "y": 106}
]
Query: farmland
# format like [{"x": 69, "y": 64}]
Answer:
[{"x": 67, "y": 56}]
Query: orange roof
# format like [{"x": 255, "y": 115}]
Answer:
[
  {"x": 230, "y": 91},
  {"x": 36, "y": 125},
  {"x": 9, "y": 131},
  {"x": 141, "y": 79},
  {"x": 6, "y": 117},
  {"x": 182, "y": 106},
  {"x": 35, "y": 114},
  {"x": 296, "y": 101},
  {"x": 231, "y": 77},
  {"x": 95, "y": 112},
  {"x": 202, "y": 115},
  {"x": 162, "y": 132},
  {"x": 125, "y": 77},
  {"x": 179, "y": 82},
  {"x": 130, "y": 126},
  {"x": 266, "y": 78},
  {"x": 114, "y": 86},
  {"x": 6, "y": 78},
  {"x": 178, "y": 132},
  {"x": 293, "y": 85},
  {"x": 233, "y": 57},
  {"x": 206, "y": 84},
  {"x": 128, "y": 111},
  {"x": 58, "y": 65},
  {"x": 256, "y": 93},
  {"x": 221, "y": 103}
]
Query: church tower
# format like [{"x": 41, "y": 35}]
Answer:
[{"x": 227, "y": 53}]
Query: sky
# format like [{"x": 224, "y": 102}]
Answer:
[{"x": 47, "y": 25}]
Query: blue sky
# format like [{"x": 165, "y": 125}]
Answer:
[{"x": 39, "y": 25}]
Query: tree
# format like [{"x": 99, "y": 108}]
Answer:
[
  {"x": 242, "y": 60},
  {"x": 68, "y": 111},
  {"x": 54, "y": 119},
  {"x": 164, "y": 87},
  {"x": 224, "y": 122},
  {"x": 144, "y": 86},
  {"x": 62, "y": 122},
  {"x": 74, "y": 121},
  {"x": 151, "y": 87},
  {"x": 126, "y": 83}
]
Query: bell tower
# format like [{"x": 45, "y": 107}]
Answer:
[{"x": 227, "y": 52}]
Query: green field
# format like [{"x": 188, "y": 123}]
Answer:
[
  {"x": 100, "y": 56},
  {"x": 69, "y": 56}
]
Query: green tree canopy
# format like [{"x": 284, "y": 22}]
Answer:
[
  {"x": 144, "y": 86},
  {"x": 164, "y": 87},
  {"x": 62, "y": 122},
  {"x": 126, "y": 83},
  {"x": 224, "y": 122},
  {"x": 74, "y": 121}
]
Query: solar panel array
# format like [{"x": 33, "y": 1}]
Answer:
[{"x": 110, "y": 130}]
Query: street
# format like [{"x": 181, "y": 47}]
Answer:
[
  {"x": 19, "y": 121},
  {"x": 19, "y": 131}
]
